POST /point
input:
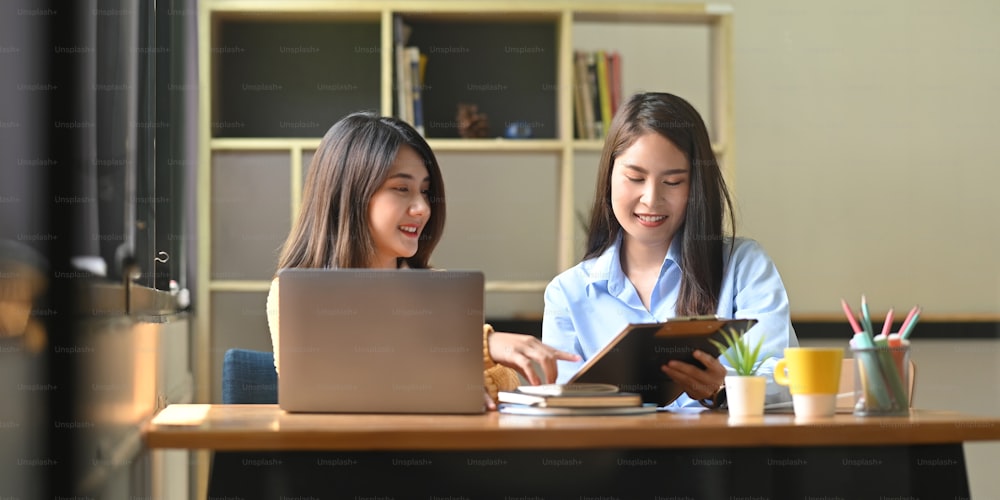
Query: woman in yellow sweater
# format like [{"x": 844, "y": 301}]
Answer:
[{"x": 374, "y": 198}]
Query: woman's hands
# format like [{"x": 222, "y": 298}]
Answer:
[
  {"x": 697, "y": 383},
  {"x": 518, "y": 351},
  {"x": 490, "y": 404}
]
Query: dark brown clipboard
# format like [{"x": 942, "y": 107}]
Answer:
[{"x": 633, "y": 358}]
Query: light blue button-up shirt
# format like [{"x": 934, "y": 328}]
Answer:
[{"x": 589, "y": 304}]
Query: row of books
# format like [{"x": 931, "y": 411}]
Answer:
[
  {"x": 597, "y": 91},
  {"x": 410, "y": 67}
]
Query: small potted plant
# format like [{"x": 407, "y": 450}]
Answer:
[{"x": 745, "y": 390}]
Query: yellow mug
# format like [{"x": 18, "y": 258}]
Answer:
[{"x": 811, "y": 370}]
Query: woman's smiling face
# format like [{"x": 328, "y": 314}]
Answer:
[
  {"x": 400, "y": 209},
  {"x": 650, "y": 184}
]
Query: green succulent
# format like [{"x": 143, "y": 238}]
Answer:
[{"x": 738, "y": 351}]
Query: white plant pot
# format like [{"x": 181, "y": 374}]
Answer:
[{"x": 745, "y": 395}]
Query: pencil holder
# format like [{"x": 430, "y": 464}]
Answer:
[{"x": 881, "y": 381}]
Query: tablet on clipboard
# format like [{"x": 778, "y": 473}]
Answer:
[{"x": 633, "y": 358}]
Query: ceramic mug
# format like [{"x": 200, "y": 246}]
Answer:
[{"x": 812, "y": 375}]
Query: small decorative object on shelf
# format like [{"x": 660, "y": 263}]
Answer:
[
  {"x": 472, "y": 123},
  {"x": 518, "y": 130}
]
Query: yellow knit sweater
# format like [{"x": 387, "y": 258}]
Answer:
[{"x": 495, "y": 377}]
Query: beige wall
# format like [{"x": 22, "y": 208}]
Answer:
[
  {"x": 863, "y": 165},
  {"x": 863, "y": 149}
]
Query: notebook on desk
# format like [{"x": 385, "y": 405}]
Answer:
[{"x": 380, "y": 341}]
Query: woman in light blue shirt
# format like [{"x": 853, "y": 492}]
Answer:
[{"x": 657, "y": 248}]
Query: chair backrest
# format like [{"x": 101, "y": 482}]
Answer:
[
  {"x": 248, "y": 377},
  {"x": 845, "y": 398}
]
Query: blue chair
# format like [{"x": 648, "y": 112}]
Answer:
[{"x": 248, "y": 377}]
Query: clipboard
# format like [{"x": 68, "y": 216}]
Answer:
[{"x": 633, "y": 358}]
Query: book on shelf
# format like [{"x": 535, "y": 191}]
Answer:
[
  {"x": 596, "y": 123},
  {"x": 615, "y": 81},
  {"x": 578, "y": 93},
  {"x": 597, "y": 91},
  {"x": 409, "y": 71},
  {"x": 403, "y": 85},
  {"x": 571, "y": 400},
  {"x": 603, "y": 90},
  {"x": 415, "y": 106},
  {"x": 632, "y": 359},
  {"x": 406, "y": 107},
  {"x": 585, "y": 102}
]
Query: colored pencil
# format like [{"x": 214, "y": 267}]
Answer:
[
  {"x": 866, "y": 318},
  {"x": 887, "y": 327},
  {"x": 850, "y": 316},
  {"x": 907, "y": 328},
  {"x": 909, "y": 316}
]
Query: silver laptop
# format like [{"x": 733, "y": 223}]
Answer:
[{"x": 381, "y": 341}]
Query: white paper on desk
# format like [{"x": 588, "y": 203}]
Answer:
[
  {"x": 683, "y": 409},
  {"x": 782, "y": 407},
  {"x": 183, "y": 415}
]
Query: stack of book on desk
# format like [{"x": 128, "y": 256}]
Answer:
[{"x": 571, "y": 399}]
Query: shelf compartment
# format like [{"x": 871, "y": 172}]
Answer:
[
  {"x": 507, "y": 68},
  {"x": 292, "y": 78},
  {"x": 686, "y": 73},
  {"x": 246, "y": 234},
  {"x": 490, "y": 198}
]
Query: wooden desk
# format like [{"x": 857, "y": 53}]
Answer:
[
  {"x": 699, "y": 455},
  {"x": 265, "y": 427}
]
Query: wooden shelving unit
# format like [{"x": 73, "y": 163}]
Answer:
[{"x": 274, "y": 75}]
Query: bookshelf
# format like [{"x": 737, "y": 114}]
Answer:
[{"x": 274, "y": 75}]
